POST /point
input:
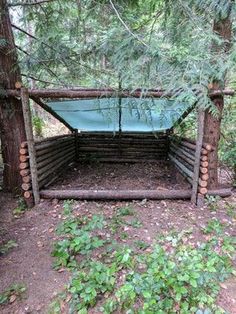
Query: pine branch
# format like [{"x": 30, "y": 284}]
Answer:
[
  {"x": 126, "y": 26},
  {"x": 22, "y": 4}
]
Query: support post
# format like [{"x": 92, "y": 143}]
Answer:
[
  {"x": 76, "y": 144},
  {"x": 30, "y": 141},
  {"x": 199, "y": 142}
]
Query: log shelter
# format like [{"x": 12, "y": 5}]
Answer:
[{"x": 112, "y": 126}]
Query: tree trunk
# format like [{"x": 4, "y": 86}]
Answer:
[
  {"x": 222, "y": 27},
  {"x": 11, "y": 116}
]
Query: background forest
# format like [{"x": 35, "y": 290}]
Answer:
[{"x": 139, "y": 44}]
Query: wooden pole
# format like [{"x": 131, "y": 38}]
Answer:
[
  {"x": 116, "y": 194},
  {"x": 199, "y": 142},
  {"x": 30, "y": 140},
  {"x": 76, "y": 144},
  {"x": 52, "y": 112},
  {"x": 102, "y": 93}
]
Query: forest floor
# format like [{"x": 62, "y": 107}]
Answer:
[
  {"x": 27, "y": 240},
  {"x": 123, "y": 176}
]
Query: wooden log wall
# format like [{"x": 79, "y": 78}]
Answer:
[
  {"x": 128, "y": 147},
  {"x": 182, "y": 154},
  {"x": 52, "y": 156}
]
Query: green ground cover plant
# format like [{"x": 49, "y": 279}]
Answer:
[
  {"x": 12, "y": 293},
  {"x": 172, "y": 276},
  {"x": 6, "y": 247}
]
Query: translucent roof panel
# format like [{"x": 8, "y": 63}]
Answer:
[{"x": 110, "y": 114}]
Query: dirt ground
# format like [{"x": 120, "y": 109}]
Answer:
[
  {"x": 123, "y": 176},
  {"x": 34, "y": 232}
]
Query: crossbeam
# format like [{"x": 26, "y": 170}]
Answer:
[{"x": 104, "y": 93}]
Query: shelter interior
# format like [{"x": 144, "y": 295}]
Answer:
[{"x": 118, "y": 148}]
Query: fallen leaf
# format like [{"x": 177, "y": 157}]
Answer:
[{"x": 12, "y": 298}]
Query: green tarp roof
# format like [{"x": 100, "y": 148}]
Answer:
[{"x": 131, "y": 114}]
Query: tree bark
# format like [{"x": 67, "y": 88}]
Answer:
[
  {"x": 11, "y": 116},
  {"x": 222, "y": 27}
]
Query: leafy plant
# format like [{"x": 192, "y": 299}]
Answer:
[
  {"x": 87, "y": 287},
  {"x": 125, "y": 211},
  {"x": 231, "y": 210},
  {"x": 213, "y": 226},
  {"x": 67, "y": 206},
  {"x": 212, "y": 202},
  {"x": 4, "y": 248},
  {"x": 21, "y": 207},
  {"x": 141, "y": 244},
  {"x": 182, "y": 280},
  {"x": 135, "y": 223},
  {"x": 79, "y": 239},
  {"x": 12, "y": 293},
  {"x": 38, "y": 125}
]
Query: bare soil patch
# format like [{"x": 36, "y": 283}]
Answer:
[{"x": 123, "y": 176}]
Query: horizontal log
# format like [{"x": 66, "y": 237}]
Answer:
[
  {"x": 28, "y": 194},
  {"x": 156, "y": 134},
  {"x": 24, "y": 172},
  {"x": 189, "y": 154},
  {"x": 188, "y": 177},
  {"x": 127, "y": 150},
  {"x": 204, "y": 164},
  {"x": 123, "y": 139},
  {"x": 193, "y": 147},
  {"x": 115, "y": 143},
  {"x": 26, "y": 179},
  {"x": 23, "y": 151},
  {"x": 116, "y": 194},
  {"x": 222, "y": 192},
  {"x": 23, "y": 158},
  {"x": 62, "y": 141},
  {"x": 48, "y": 170},
  {"x": 204, "y": 145},
  {"x": 202, "y": 183},
  {"x": 125, "y": 160},
  {"x": 24, "y": 145},
  {"x": 182, "y": 156},
  {"x": 54, "y": 163},
  {"x": 188, "y": 147},
  {"x": 202, "y": 191},
  {"x": 100, "y": 93},
  {"x": 55, "y": 157},
  {"x": 204, "y": 158},
  {"x": 203, "y": 170},
  {"x": 112, "y": 156},
  {"x": 26, "y": 186},
  {"x": 204, "y": 177},
  {"x": 53, "y": 138},
  {"x": 47, "y": 182},
  {"x": 181, "y": 166},
  {"x": 23, "y": 165},
  {"x": 43, "y": 154}
]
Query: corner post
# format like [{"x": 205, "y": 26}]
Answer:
[
  {"x": 30, "y": 141},
  {"x": 76, "y": 144},
  {"x": 196, "y": 170}
]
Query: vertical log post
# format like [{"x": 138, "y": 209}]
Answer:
[
  {"x": 197, "y": 162},
  {"x": 30, "y": 140},
  {"x": 76, "y": 144}
]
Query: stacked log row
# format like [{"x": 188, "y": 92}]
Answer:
[
  {"x": 182, "y": 154},
  {"x": 126, "y": 147},
  {"x": 52, "y": 156}
]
